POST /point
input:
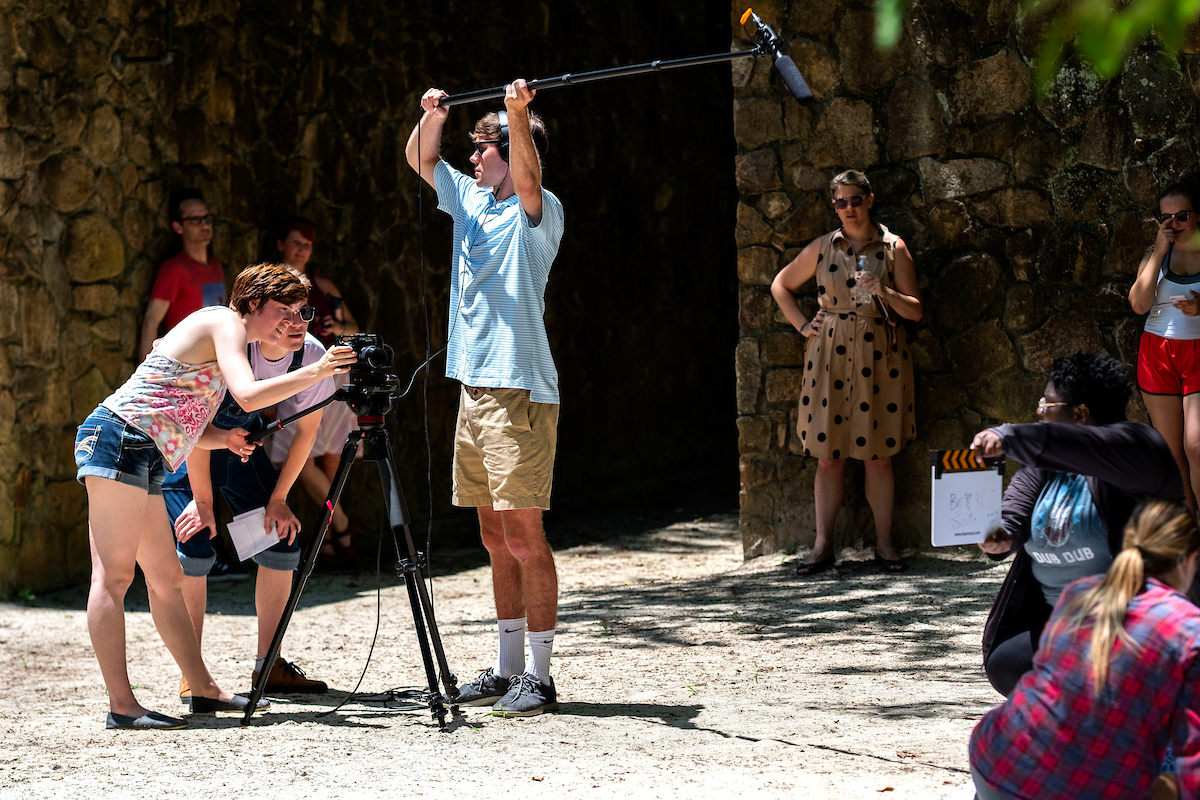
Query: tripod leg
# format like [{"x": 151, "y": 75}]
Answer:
[
  {"x": 308, "y": 559},
  {"x": 409, "y": 567}
]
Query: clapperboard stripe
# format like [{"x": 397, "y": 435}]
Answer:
[{"x": 962, "y": 461}]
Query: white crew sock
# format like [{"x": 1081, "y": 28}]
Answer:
[
  {"x": 541, "y": 643},
  {"x": 258, "y": 663},
  {"x": 510, "y": 659}
]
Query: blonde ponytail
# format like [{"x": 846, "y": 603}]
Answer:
[{"x": 1158, "y": 537}]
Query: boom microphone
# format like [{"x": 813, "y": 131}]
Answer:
[
  {"x": 766, "y": 38},
  {"x": 765, "y": 41}
]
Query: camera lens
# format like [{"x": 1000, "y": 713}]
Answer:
[{"x": 376, "y": 357}]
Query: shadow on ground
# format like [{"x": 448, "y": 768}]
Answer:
[{"x": 620, "y": 520}]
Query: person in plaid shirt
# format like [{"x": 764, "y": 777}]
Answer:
[{"x": 1114, "y": 680}]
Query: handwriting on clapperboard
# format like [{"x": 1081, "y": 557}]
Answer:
[{"x": 968, "y": 512}]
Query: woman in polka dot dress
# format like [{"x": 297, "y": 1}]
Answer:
[{"x": 856, "y": 399}]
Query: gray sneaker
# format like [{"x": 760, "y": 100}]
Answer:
[
  {"x": 484, "y": 690},
  {"x": 527, "y": 697}
]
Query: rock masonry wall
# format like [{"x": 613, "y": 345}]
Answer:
[
  {"x": 1026, "y": 214},
  {"x": 278, "y": 108}
]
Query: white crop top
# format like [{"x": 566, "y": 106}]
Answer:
[{"x": 1165, "y": 319}]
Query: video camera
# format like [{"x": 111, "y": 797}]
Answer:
[{"x": 371, "y": 390}]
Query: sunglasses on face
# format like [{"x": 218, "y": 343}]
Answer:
[
  {"x": 207, "y": 219},
  {"x": 854, "y": 201},
  {"x": 1043, "y": 405},
  {"x": 1179, "y": 216},
  {"x": 482, "y": 144},
  {"x": 308, "y": 313}
]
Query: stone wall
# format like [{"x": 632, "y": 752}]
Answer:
[
  {"x": 1026, "y": 214},
  {"x": 279, "y": 108}
]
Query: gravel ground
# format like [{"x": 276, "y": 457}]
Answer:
[{"x": 682, "y": 672}]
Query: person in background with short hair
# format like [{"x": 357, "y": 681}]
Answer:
[
  {"x": 1115, "y": 685},
  {"x": 1084, "y": 468},
  {"x": 1168, "y": 366},
  {"x": 332, "y": 318},
  {"x": 150, "y": 425},
  {"x": 856, "y": 394},
  {"x": 189, "y": 280}
]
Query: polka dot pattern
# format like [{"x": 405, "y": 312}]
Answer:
[{"x": 859, "y": 371}]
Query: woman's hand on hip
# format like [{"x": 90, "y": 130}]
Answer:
[{"x": 813, "y": 326}]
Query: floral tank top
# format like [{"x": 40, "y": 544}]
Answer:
[{"x": 171, "y": 402}]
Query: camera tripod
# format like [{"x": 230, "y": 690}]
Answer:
[{"x": 410, "y": 563}]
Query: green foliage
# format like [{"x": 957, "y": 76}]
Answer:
[
  {"x": 889, "y": 22},
  {"x": 1102, "y": 33}
]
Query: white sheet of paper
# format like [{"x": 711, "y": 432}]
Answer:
[
  {"x": 248, "y": 535},
  {"x": 965, "y": 506}
]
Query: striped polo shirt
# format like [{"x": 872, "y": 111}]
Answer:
[{"x": 497, "y": 335}]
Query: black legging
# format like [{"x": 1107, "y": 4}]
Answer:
[{"x": 1011, "y": 659}]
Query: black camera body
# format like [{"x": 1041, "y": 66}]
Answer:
[{"x": 371, "y": 390}]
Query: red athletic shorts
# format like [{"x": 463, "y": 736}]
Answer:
[{"x": 1168, "y": 366}]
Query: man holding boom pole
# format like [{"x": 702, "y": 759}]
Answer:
[{"x": 507, "y": 230}]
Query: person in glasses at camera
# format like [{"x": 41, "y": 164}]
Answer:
[
  {"x": 1084, "y": 468},
  {"x": 1167, "y": 289},
  {"x": 248, "y": 483},
  {"x": 332, "y": 318},
  {"x": 507, "y": 230},
  {"x": 856, "y": 398},
  {"x": 189, "y": 280},
  {"x": 148, "y": 427}
]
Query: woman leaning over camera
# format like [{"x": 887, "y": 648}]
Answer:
[
  {"x": 1168, "y": 369},
  {"x": 150, "y": 423},
  {"x": 856, "y": 397}
]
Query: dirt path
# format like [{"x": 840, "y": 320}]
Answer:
[{"x": 682, "y": 671}]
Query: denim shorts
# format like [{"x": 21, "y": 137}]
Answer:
[
  {"x": 107, "y": 446},
  {"x": 245, "y": 486}
]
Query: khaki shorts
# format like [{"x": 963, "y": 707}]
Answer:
[{"x": 504, "y": 449}]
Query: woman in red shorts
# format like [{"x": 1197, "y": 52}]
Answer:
[{"x": 1168, "y": 371}]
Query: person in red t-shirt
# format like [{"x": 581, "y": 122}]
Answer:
[{"x": 188, "y": 281}]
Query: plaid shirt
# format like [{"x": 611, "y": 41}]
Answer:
[{"x": 1054, "y": 738}]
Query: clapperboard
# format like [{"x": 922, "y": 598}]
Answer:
[{"x": 965, "y": 505}]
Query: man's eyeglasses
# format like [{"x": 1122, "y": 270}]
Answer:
[
  {"x": 207, "y": 219},
  {"x": 855, "y": 201},
  {"x": 1179, "y": 216},
  {"x": 308, "y": 314},
  {"x": 481, "y": 144},
  {"x": 1043, "y": 406}
]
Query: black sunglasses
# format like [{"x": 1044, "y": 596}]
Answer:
[
  {"x": 307, "y": 313},
  {"x": 482, "y": 144},
  {"x": 854, "y": 201},
  {"x": 1180, "y": 216}
]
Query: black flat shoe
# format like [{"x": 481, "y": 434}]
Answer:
[
  {"x": 209, "y": 705},
  {"x": 890, "y": 564},
  {"x": 150, "y": 721},
  {"x": 815, "y": 568}
]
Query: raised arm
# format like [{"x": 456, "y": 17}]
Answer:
[
  {"x": 1124, "y": 454},
  {"x": 251, "y": 395},
  {"x": 422, "y": 155},
  {"x": 522, "y": 154},
  {"x": 789, "y": 280},
  {"x": 1145, "y": 286}
]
